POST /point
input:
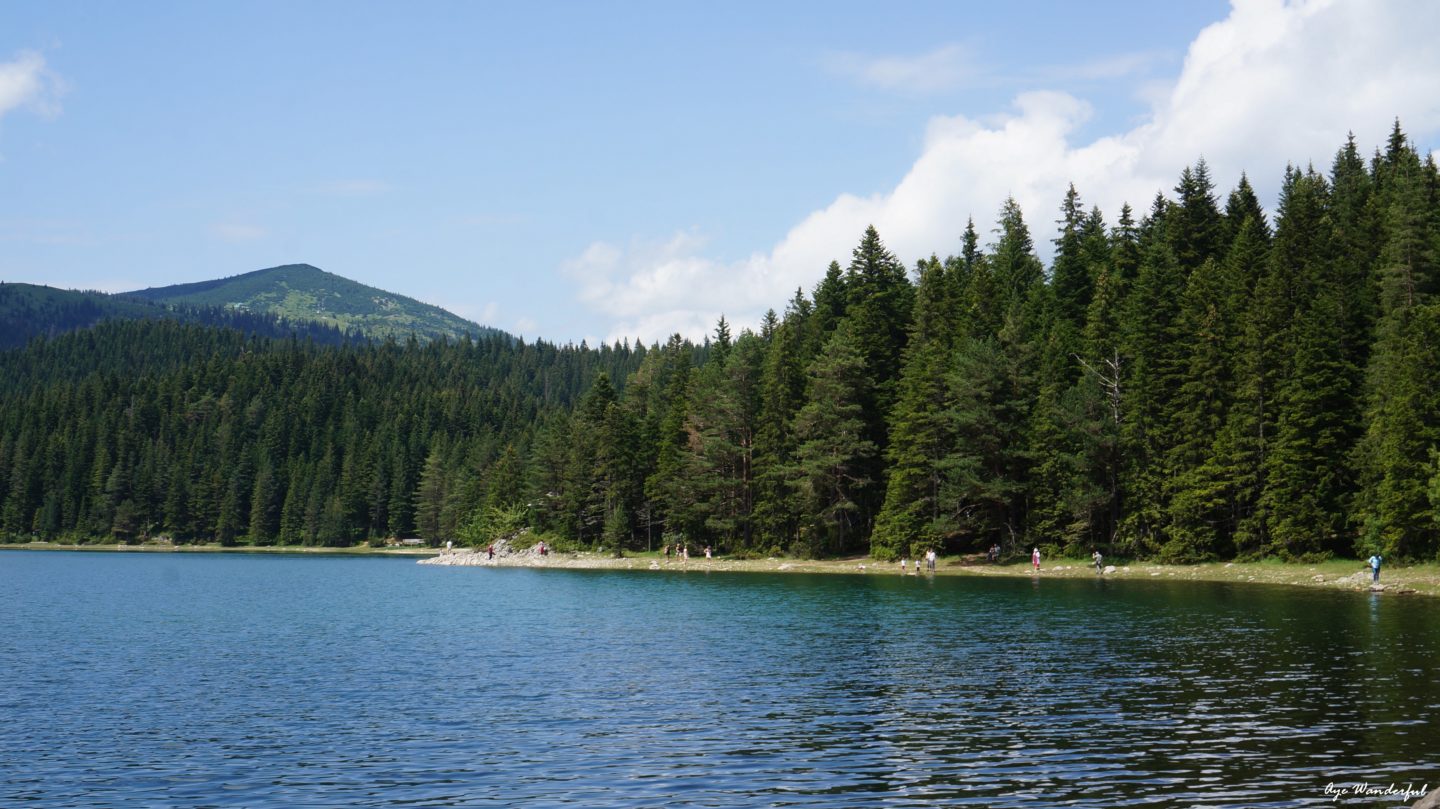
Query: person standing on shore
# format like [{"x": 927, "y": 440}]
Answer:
[
  {"x": 1035, "y": 558},
  {"x": 1375, "y": 561},
  {"x": 490, "y": 551},
  {"x": 707, "y": 552},
  {"x": 1099, "y": 560},
  {"x": 930, "y": 560}
]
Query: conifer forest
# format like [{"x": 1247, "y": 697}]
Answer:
[{"x": 1199, "y": 379}]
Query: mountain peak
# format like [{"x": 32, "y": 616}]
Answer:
[{"x": 306, "y": 292}]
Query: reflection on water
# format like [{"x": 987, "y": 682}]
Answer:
[{"x": 244, "y": 681}]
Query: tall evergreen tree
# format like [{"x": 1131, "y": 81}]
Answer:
[
  {"x": 1307, "y": 484},
  {"x": 1196, "y": 229},
  {"x": 921, "y": 437},
  {"x": 1402, "y": 413},
  {"x": 1072, "y": 277},
  {"x": 832, "y": 453},
  {"x": 782, "y": 394},
  {"x": 1150, "y": 367},
  {"x": 990, "y": 389}
]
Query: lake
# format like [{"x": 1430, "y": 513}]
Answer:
[{"x": 247, "y": 680}]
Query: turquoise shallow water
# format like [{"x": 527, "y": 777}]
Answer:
[{"x": 233, "y": 680}]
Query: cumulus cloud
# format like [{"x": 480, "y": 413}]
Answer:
[
  {"x": 655, "y": 289},
  {"x": 26, "y": 82},
  {"x": 939, "y": 70},
  {"x": 1273, "y": 83}
]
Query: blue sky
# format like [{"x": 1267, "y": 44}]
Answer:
[{"x": 593, "y": 170}]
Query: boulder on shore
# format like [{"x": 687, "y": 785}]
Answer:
[
  {"x": 506, "y": 553},
  {"x": 1358, "y": 579}
]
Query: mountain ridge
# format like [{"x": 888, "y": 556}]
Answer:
[
  {"x": 28, "y": 311},
  {"x": 306, "y": 292}
]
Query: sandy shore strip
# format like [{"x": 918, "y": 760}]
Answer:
[
  {"x": 1343, "y": 574},
  {"x": 1336, "y": 574}
]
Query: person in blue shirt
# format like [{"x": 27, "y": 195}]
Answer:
[{"x": 1375, "y": 567}]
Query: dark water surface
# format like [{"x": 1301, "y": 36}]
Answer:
[{"x": 225, "y": 680}]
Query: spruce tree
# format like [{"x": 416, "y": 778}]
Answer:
[
  {"x": 1307, "y": 483},
  {"x": 1215, "y": 462},
  {"x": 1071, "y": 276},
  {"x": 1195, "y": 229},
  {"x": 984, "y": 475},
  {"x": 1150, "y": 364},
  {"x": 1402, "y": 412},
  {"x": 832, "y": 454},
  {"x": 912, "y": 516},
  {"x": 782, "y": 394}
]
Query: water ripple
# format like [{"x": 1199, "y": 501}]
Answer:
[{"x": 257, "y": 681}]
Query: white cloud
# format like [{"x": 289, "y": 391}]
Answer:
[
  {"x": 1274, "y": 83},
  {"x": 238, "y": 232},
  {"x": 1117, "y": 66},
  {"x": 945, "y": 68},
  {"x": 655, "y": 289},
  {"x": 26, "y": 81}
]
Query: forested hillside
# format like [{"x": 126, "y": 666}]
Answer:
[
  {"x": 1200, "y": 381},
  {"x": 28, "y": 311},
  {"x": 300, "y": 292}
]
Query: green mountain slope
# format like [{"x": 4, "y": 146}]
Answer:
[
  {"x": 28, "y": 311},
  {"x": 303, "y": 292}
]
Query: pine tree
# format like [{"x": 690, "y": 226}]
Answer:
[
  {"x": 264, "y": 507},
  {"x": 1240, "y": 207},
  {"x": 1013, "y": 265},
  {"x": 1357, "y": 236},
  {"x": 1402, "y": 411},
  {"x": 984, "y": 483},
  {"x": 831, "y": 302},
  {"x": 1195, "y": 229},
  {"x": 1214, "y": 463},
  {"x": 1306, "y": 478},
  {"x": 879, "y": 302},
  {"x": 429, "y": 497},
  {"x": 1150, "y": 362},
  {"x": 1071, "y": 275},
  {"x": 782, "y": 394},
  {"x": 912, "y": 515},
  {"x": 832, "y": 453}
]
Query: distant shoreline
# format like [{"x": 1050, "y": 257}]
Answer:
[
  {"x": 1342, "y": 574},
  {"x": 286, "y": 550}
]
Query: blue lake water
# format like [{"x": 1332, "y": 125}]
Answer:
[{"x": 237, "y": 680}]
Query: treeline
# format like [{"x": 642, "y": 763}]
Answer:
[
  {"x": 1203, "y": 382},
  {"x": 138, "y": 429}
]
